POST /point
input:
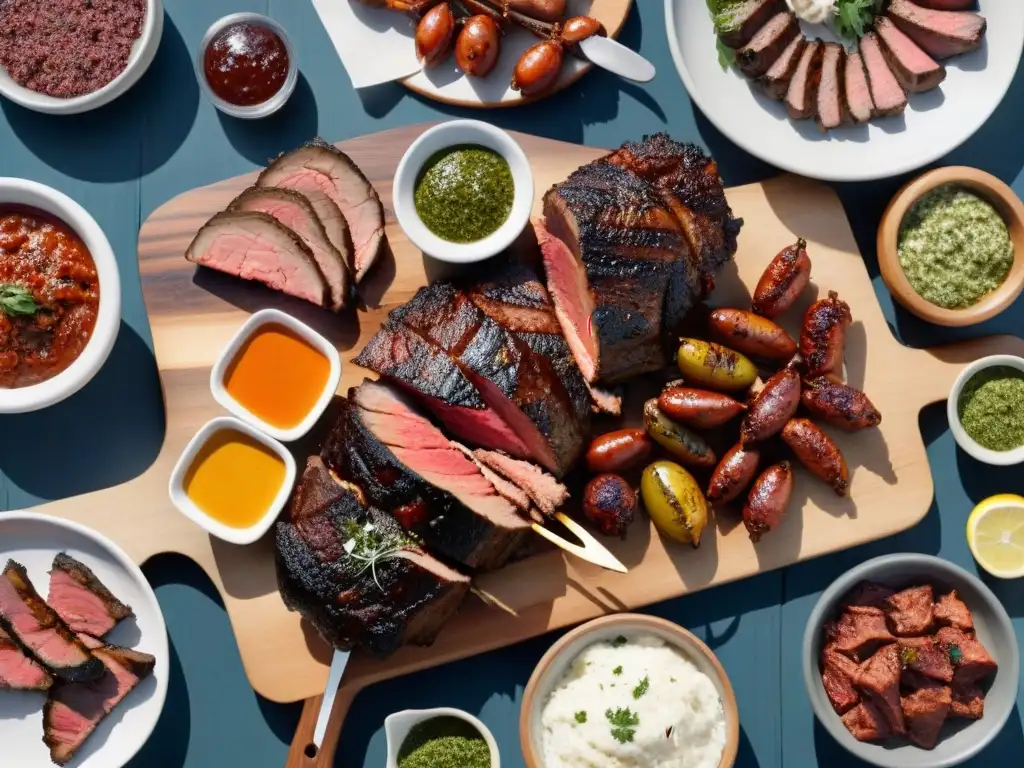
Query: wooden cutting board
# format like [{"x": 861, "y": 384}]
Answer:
[{"x": 193, "y": 312}]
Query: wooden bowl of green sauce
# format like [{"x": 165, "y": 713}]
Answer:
[{"x": 951, "y": 246}]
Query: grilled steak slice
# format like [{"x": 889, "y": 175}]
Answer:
[
  {"x": 294, "y": 211},
  {"x": 521, "y": 386},
  {"x": 505, "y": 488},
  {"x": 605, "y": 400},
  {"x": 948, "y": 5},
  {"x": 802, "y": 96},
  {"x": 407, "y": 467},
  {"x": 737, "y": 25},
  {"x": 18, "y": 672},
  {"x": 831, "y": 101},
  {"x": 941, "y": 33},
  {"x": 74, "y": 710},
  {"x": 39, "y": 631},
  {"x": 404, "y": 596},
  {"x": 915, "y": 70},
  {"x": 255, "y": 246},
  {"x": 322, "y": 172},
  {"x": 764, "y": 49},
  {"x": 775, "y": 81},
  {"x": 886, "y": 92},
  {"x": 546, "y": 492},
  {"x": 82, "y": 600},
  {"x": 856, "y": 90}
]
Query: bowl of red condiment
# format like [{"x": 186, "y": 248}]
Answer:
[
  {"x": 60, "y": 296},
  {"x": 246, "y": 65}
]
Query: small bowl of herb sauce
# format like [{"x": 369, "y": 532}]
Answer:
[
  {"x": 986, "y": 410},
  {"x": 951, "y": 246},
  {"x": 463, "y": 191},
  {"x": 439, "y": 738}
]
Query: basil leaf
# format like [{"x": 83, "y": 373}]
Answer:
[{"x": 15, "y": 300}]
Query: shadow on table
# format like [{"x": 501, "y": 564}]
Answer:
[
  {"x": 168, "y": 746},
  {"x": 745, "y": 757}
]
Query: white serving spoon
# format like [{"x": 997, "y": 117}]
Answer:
[{"x": 618, "y": 59}]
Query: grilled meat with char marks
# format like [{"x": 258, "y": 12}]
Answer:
[
  {"x": 82, "y": 600},
  {"x": 18, "y": 672}
]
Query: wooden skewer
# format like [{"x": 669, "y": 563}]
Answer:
[{"x": 592, "y": 550}]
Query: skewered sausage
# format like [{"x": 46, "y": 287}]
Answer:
[
  {"x": 610, "y": 503},
  {"x": 538, "y": 68},
  {"x": 478, "y": 45},
  {"x": 768, "y": 500},
  {"x": 750, "y": 334},
  {"x": 823, "y": 336},
  {"x": 839, "y": 404},
  {"x": 619, "y": 451},
  {"x": 434, "y": 34},
  {"x": 698, "y": 408},
  {"x": 689, "y": 447},
  {"x": 733, "y": 474},
  {"x": 783, "y": 281},
  {"x": 774, "y": 405},
  {"x": 817, "y": 452}
]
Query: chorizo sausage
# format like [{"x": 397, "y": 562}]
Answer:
[
  {"x": 817, "y": 452},
  {"x": 783, "y": 281},
  {"x": 699, "y": 408},
  {"x": 839, "y": 404},
  {"x": 619, "y": 451},
  {"x": 750, "y": 334},
  {"x": 610, "y": 503},
  {"x": 823, "y": 335},
  {"x": 772, "y": 408},
  {"x": 768, "y": 499},
  {"x": 733, "y": 474}
]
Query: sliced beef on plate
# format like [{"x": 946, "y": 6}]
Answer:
[
  {"x": 255, "y": 246},
  {"x": 802, "y": 95},
  {"x": 856, "y": 91},
  {"x": 886, "y": 91},
  {"x": 74, "y": 710},
  {"x": 546, "y": 492},
  {"x": 775, "y": 81},
  {"x": 747, "y": 18},
  {"x": 324, "y": 173},
  {"x": 506, "y": 488},
  {"x": 879, "y": 677},
  {"x": 910, "y": 611},
  {"x": 925, "y": 711},
  {"x": 18, "y": 672},
  {"x": 924, "y": 656},
  {"x": 406, "y": 466},
  {"x": 948, "y": 5},
  {"x": 82, "y": 600},
  {"x": 294, "y": 211},
  {"x": 950, "y": 610},
  {"x": 837, "y": 673},
  {"x": 831, "y": 100},
  {"x": 858, "y": 631},
  {"x": 915, "y": 70},
  {"x": 764, "y": 49},
  {"x": 37, "y": 629},
  {"x": 866, "y": 722},
  {"x": 384, "y": 593},
  {"x": 941, "y": 33}
]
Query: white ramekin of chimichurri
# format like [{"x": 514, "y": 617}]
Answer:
[{"x": 986, "y": 410}]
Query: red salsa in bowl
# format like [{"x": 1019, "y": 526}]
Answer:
[
  {"x": 49, "y": 296},
  {"x": 246, "y": 64}
]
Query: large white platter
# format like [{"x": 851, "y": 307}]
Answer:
[{"x": 934, "y": 124}]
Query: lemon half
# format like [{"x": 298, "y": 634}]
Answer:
[{"x": 995, "y": 534}]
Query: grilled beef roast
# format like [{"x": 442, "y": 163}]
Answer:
[
  {"x": 886, "y": 92},
  {"x": 39, "y": 631},
  {"x": 353, "y": 573},
  {"x": 255, "y": 246},
  {"x": 18, "y": 672},
  {"x": 745, "y": 19},
  {"x": 764, "y": 49},
  {"x": 775, "y": 81},
  {"x": 82, "y": 600},
  {"x": 408, "y": 467},
  {"x": 294, "y": 211},
  {"x": 546, "y": 492},
  {"x": 515, "y": 495},
  {"x": 941, "y": 33},
  {"x": 325, "y": 174},
  {"x": 915, "y": 70},
  {"x": 802, "y": 95},
  {"x": 856, "y": 90},
  {"x": 831, "y": 101}
]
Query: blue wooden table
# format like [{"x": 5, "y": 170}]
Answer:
[{"x": 161, "y": 139}]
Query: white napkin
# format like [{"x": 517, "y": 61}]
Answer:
[{"x": 376, "y": 45}]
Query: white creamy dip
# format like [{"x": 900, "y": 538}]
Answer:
[
  {"x": 664, "y": 712},
  {"x": 813, "y": 11}
]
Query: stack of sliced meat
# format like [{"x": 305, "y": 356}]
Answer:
[{"x": 311, "y": 227}]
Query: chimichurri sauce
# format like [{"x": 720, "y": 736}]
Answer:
[{"x": 464, "y": 193}]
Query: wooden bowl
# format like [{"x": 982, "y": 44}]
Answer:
[
  {"x": 554, "y": 663},
  {"x": 1002, "y": 198}
]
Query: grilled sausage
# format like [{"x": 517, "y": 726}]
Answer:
[
  {"x": 699, "y": 408},
  {"x": 823, "y": 335},
  {"x": 783, "y": 280},
  {"x": 544, "y": 10},
  {"x": 610, "y": 503},
  {"x": 772, "y": 408},
  {"x": 434, "y": 34},
  {"x": 839, "y": 404},
  {"x": 750, "y": 334},
  {"x": 733, "y": 474},
  {"x": 620, "y": 450},
  {"x": 768, "y": 500},
  {"x": 817, "y": 452}
]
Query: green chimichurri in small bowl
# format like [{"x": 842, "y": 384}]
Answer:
[{"x": 986, "y": 410}]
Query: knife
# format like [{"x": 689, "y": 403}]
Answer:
[
  {"x": 618, "y": 59},
  {"x": 338, "y": 664}
]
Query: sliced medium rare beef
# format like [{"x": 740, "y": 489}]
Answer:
[
  {"x": 948, "y": 5},
  {"x": 741, "y": 21},
  {"x": 915, "y": 70},
  {"x": 802, "y": 95},
  {"x": 353, "y": 573},
  {"x": 764, "y": 49},
  {"x": 73, "y": 710},
  {"x": 324, "y": 173},
  {"x": 255, "y": 246},
  {"x": 39, "y": 631},
  {"x": 831, "y": 102},
  {"x": 856, "y": 91},
  {"x": 886, "y": 91},
  {"x": 546, "y": 492},
  {"x": 775, "y": 81},
  {"x": 406, "y": 466},
  {"x": 294, "y": 211},
  {"x": 82, "y": 600},
  {"x": 506, "y": 488},
  {"x": 941, "y": 33},
  {"x": 18, "y": 672}
]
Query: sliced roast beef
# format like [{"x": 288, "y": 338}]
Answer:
[
  {"x": 886, "y": 92},
  {"x": 73, "y": 710},
  {"x": 546, "y": 492},
  {"x": 294, "y": 211},
  {"x": 941, "y": 33},
  {"x": 255, "y": 246},
  {"x": 82, "y": 600},
  {"x": 606, "y": 400},
  {"x": 353, "y": 573},
  {"x": 18, "y": 672},
  {"x": 802, "y": 95},
  {"x": 948, "y": 5},
  {"x": 915, "y": 70},
  {"x": 764, "y": 49},
  {"x": 856, "y": 90},
  {"x": 39, "y": 631},
  {"x": 322, "y": 172},
  {"x": 739, "y": 22},
  {"x": 521, "y": 386},
  {"x": 407, "y": 466},
  {"x": 506, "y": 488},
  {"x": 775, "y": 81},
  {"x": 831, "y": 101}
]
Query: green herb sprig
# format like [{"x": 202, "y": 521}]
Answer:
[
  {"x": 581, "y": 716},
  {"x": 15, "y": 301},
  {"x": 854, "y": 17},
  {"x": 641, "y": 688},
  {"x": 624, "y": 723}
]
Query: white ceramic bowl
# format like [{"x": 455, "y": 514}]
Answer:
[
  {"x": 398, "y": 725},
  {"x": 108, "y": 318},
  {"x": 176, "y": 487},
  {"x": 259, "y": 320},
  {"x": 451, "y": 134},
  {"x": 965, "y": 441},
  {"x": 142, "y": 55},
  {"x": 275, "y": 102}
]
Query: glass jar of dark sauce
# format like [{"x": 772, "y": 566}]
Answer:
[{"x": 246, "y": 64}]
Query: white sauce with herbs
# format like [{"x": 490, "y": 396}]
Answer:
[{"x": 813, "y": 11}]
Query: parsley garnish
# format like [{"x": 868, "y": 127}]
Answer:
[
  {"x": 15, "y": 300},
  {"x": 581, "y": 717},
  {"x": 641, "y": 688},
  {"x": 624, "y": 723},
  {"x": 854, "y": 17},
  {"x": 617, "y": 671},
  {"x": 619, "y": 641}
]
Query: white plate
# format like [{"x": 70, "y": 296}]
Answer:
[
  {"x": 934, "y": 124},
  {"x": 33, "y": 540}
]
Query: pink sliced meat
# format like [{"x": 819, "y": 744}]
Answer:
[
  {"x": 941, "y": 33},
  {"x": 831, "y": 103},
  {"x": 764, "y": 49},
  {"x": 951, "y": 611},
  {"x": 775, "y": 81},
  {"x": 82, "y": 600},
  {"x": 910, "y": 611},
  {"x": 948, "y": 5},
  {"x": 17, "y": 671},
  {"x": 837, "y": 673},
  {"x": 916, "y": 71},
  {"x": 802, "y": 96},
  {"x": 886, "y": 91},
  {"x": 879, "y": 677},
  {"x": 546, "y": 492},
  {"x": 857, "y": 92},
  {"x": 925, "y": 711}
]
